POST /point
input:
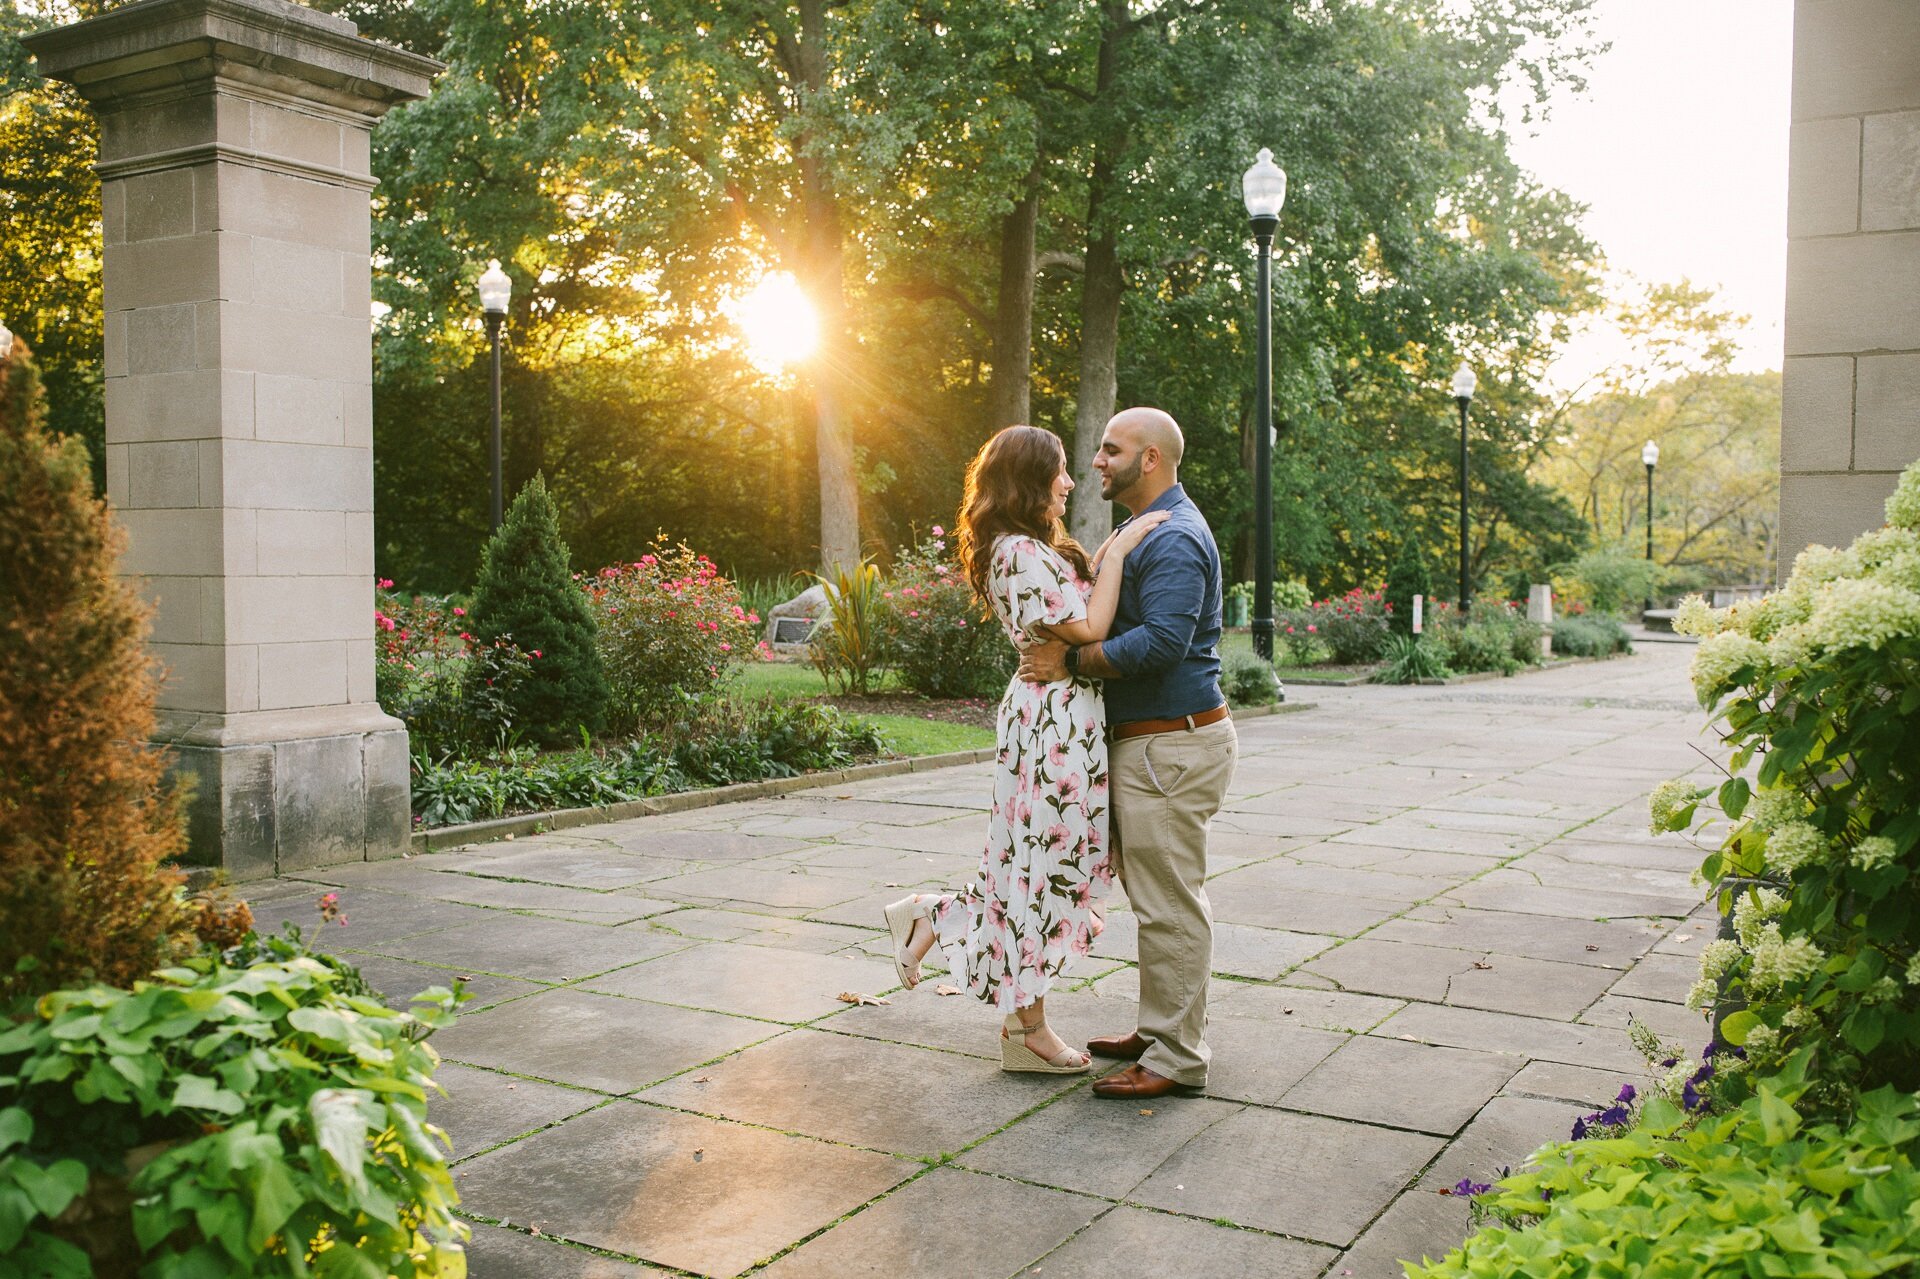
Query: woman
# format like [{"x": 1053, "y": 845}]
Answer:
[{"x": 1031, "y": 909}]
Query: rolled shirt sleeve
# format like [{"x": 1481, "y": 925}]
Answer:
[{"x": 1171, "y": 597}]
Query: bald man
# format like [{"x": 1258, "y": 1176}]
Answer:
[{"x": 1172, "y": 754}]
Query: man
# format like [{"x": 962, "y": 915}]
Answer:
[{"x": 1172, "y": 754}]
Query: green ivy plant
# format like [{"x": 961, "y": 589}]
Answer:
[
  {"x": 1754, "y": 1191},
  {"x": 258, "y": 1114},
  {"x": 1818, "y": 689}
]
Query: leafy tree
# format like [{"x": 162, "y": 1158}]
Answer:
[
  {"x": 527, "y": 594},
  {"x": 85, "y": 827}
]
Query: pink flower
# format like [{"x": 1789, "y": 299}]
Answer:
[
  {"x": 1058, "y": 837},
  {"x": 459, "y": 612},
  {"x": 1311, "y": 629},
  {"x": 726, "y": 648},
  {"x": 938, "y": 531},
  {"x": 384, "y": 583}
]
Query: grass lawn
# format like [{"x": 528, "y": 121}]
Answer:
[{"x": 907, "y": 734}]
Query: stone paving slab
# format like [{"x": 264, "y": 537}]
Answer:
[
  {"x": 657, "y": 1065},
  {"x": 675, "y": 1189},
  {"x": 596, "y": 1041},
  {"x": 949, "y": 1222},
  {"x": 1125, "y": 1240}
]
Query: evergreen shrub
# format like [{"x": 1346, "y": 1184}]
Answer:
[
  {"x": 1247, "y": 680},
  {"x": 527, "y": 594},
  {"x": 1406, "y": 579},
  {"x": 86, "y": 828}
]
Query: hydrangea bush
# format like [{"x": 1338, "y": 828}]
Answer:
[
  {"x": 671, "y": 627},
  {"x": 938, "y": 639},
  {"x": 1817, "y": 690}
]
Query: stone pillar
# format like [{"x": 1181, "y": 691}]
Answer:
[
  {"x": 1851, "y": 394},
  {"x": 235, "y": 177}
]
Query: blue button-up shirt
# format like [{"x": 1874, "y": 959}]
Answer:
[{"x": 1165, "y": 640}]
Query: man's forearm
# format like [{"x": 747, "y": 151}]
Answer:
[{"x": 1094, "y": 663}]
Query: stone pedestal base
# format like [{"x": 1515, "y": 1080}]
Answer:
[{"x": 272, "y": 795}]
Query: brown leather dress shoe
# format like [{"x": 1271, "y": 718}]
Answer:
[
  {"x": 1127, "y": 1047},
  {"x": 1137, "y": 1083}
]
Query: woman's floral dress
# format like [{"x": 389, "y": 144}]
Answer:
[{"x": 1027, "y": 914}]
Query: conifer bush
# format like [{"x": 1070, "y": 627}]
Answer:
[
  {"x": 86, "y": 827},
  {"x": 527, "y": 594}
]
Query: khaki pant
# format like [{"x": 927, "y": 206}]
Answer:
[{"x": 1166, "y": 789}]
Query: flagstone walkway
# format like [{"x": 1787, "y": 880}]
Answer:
[{"x": 1436, "y": 910}]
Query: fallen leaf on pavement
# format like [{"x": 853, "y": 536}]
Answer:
[
  {"x": 1591, "y": 946},
  {"x": 1481, "y": 966},
  {"x": 1146, "y": 1112},
  {"x": 704, "y": 1079},
  {"x": 851, "y": 997}
]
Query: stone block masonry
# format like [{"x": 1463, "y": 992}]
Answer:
[
  {"x": 234, "y": 166},
  {"x": 1850, "y": 420}
]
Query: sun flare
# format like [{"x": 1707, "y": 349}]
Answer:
[{"x": 778, "y": 323}]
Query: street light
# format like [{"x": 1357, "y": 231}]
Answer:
[
  {"x": 1264, "y": 188},
  {"x": 1650, "y": 455},
  {"x": 495, "y": 289},
  {"x": 1463, "y": 384}
]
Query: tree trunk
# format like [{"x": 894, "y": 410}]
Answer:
[
  {"x": 1091, "y": 516},
  {"x": 1013, "y": 316},
  {"x": 823, "y": 277}
]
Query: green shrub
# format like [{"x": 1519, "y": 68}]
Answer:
[
  {"x": 703, "y": 741},
  {"x": 669, "y": 627},
  {"x": 1493, "y": 637},
  {"x": 937, "y": 638},
  {"x": 1247, "y": 680},
  {"x": 1817, "y": 687},
  {"x": 1410, "y": 659},
  {"x": 1352, "y": 626},
  {"x": 527, "y": 594},
  {"x": 1406, "y": 579},
  {"x": 264, "y": 1116},
  {"x": 1287, "y": 595},
  {"x": 1590, "y": 635},
  {"x": 847, "y": 646},
  {"x": 1607, "y": 579},
  {"x": 1757, "y": 1191}
]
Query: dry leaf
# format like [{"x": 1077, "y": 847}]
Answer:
[
  {"x": 893, "y": 885},
  {"x": 946, "y": 990},
  {"x": 535, "y": 1229},
  {"x": 1684, "y": 937},
  {"x": 510, "y": 837},
  {"x": 1287, "y": 1011},
  {"x": 704, "y": 1079},
  {"x": 1591, "y": 946},
  {"x": 1482, "y": 967},
  {"x": 1146, "y": 1112},
  {"x": 851, "y": 997}
]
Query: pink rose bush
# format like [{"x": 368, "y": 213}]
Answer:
[
  {"x": 671, "y": 627},
  {"x": 934, "y": 634},
  {"x": 453, "y": 691}
]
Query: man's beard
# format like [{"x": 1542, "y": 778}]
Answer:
[{"x": 1116, "y": 480}]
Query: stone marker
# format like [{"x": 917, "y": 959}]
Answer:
[{"x": 234, "y": 167}]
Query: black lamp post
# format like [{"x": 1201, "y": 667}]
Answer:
[
  {"x": 1650, "y": 455},
  {"x": 1265, "y": 190},
  {"x": 1463, "y": 384},
  {"x": 495, "y": 289}
]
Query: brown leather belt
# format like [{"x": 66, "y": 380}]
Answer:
[{"x": 1186, "y": 723}]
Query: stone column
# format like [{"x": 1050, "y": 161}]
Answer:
[
  {"x": 1850, "y": 418},
  {"x": 235, "y": 178}
]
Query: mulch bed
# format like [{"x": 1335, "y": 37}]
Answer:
[{"x": 973, "y": 711}]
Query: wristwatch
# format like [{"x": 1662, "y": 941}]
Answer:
[{"x": 1073, "y": 661}]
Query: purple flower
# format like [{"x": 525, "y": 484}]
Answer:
[
  {"x": 1467, "y": 1187},
  {"x": 1669, "y": 1063},
  {"x": 1627, "y": 1094},
  {"x": 1579, "y": 1129},
  {"x": 1614, "y": 1116},
  {"x": 1690, "y": 1095}
]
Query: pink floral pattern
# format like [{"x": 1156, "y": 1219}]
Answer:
[{"x": 1028, "y": 913}]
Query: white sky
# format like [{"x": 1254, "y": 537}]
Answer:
[{"x": 1679, "y": 148}]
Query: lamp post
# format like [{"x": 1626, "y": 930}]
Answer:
[
  {"x": 495, "y": 289},
  {"x": 1649, "y": 456},
  {"x": 1264, "y": 188},
  {"x": 1464, "y": 383}
]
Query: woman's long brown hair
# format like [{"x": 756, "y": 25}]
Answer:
[{"x": 1009, "y": 487}]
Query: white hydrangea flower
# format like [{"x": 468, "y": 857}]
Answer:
[
  {"x": 1903, "y": 508},
  {"x": 1701, "y": 994},
  {"x": 1794, "y": 845},
  {"x": 1668, "y": 800},
  {"x": 1774, "y": 806},
  {"x": 1697, "y": 617},
  {"x": 1720, "y": 955},
  {"x": 1862, "y": 613},
  {"x": 1717, "y": 660},
  {"x": 1778, "y": 961},
  {"x": 1873, "y": 852},
  {"x": 1913, "y": 971},
  {"x": 1799, "y": 1017},
  {"x": 1883, "y": 991},
  {"x": 1790, "y": 646},
  {"x": 1751, "y": 913},
  {"x": 1819, "y": 564},
  {"x": 1762, "y": 1042}
]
